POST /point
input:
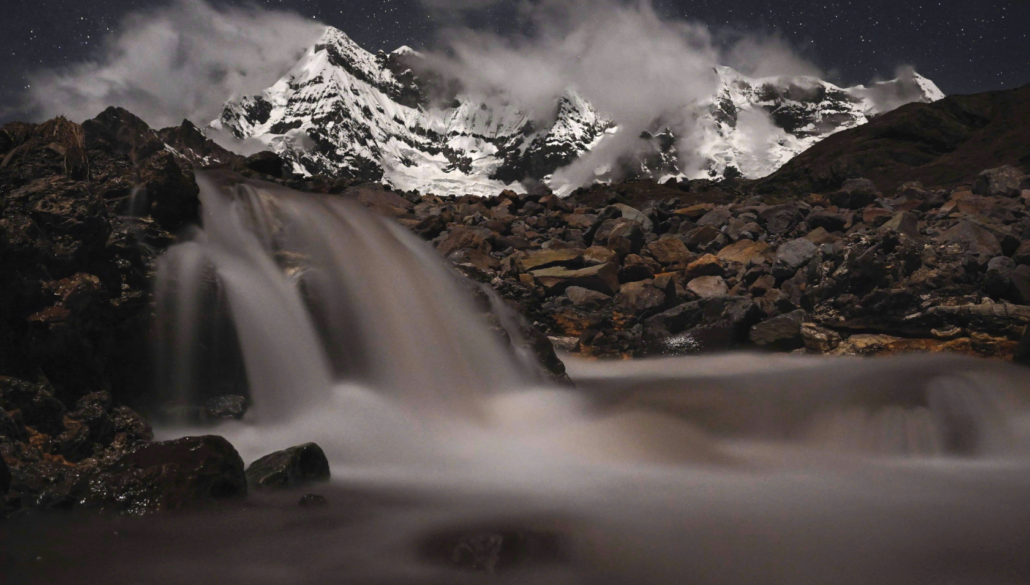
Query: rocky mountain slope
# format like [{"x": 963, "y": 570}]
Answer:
[
  {"x": 342, "y": 111},
  {"x": 945, "y": 143}
]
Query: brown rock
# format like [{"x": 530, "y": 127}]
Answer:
[
  {"x": 670, "y": 251},
  {"x": 746, "y": 252},
  {"x": 603, "y": 278},
  {"x": 639, "y": 297},
  {"x": 707, "y": 265},
  {"x": 536, "y": 259},
  {"x": 708, "y": 286}
]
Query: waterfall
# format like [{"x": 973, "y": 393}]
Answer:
[{"x": 319, "y": 291}]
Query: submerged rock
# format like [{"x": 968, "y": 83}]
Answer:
[
  {"x": 293, "y": 467},
  {"x": 230, "y": 406}
]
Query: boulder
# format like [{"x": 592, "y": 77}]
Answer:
[
  {"x": 536, "y": 259},
  {"x": 827, "y": 220},
  {"x": 973, "y": 238},
  {"x": 792, "y": 256},
  {"x": 1022, "y": 253},
  {"x": 746, "y": 252},
  {"x": 997, "y": 280},
  {"x": 296, "y": 466},
  {"x": 583, "y": 297},
  {"x": 855, "y": 194},
  {"x": 636, "y": 268},
  {"x": 902, "y": 223},
  {"x": 595, "y": 255},
  {"x": 638, "y": 298},
  {"x": 633, "y": 214},
  {"x": 716, "y": 218},
  {"x": 1020, "y": 279},
  {"x": 171, "y": 475},
  {"x": 819, "y": 339},
  {"x": 780, "y": 219},
  {"x": 782, "y": 332},
  {"x": 1004, "y": 181},
  {"x": 708, "y": 286},
  {"x": 707, "y": 265},
  {"x": 603, "y": 278},
  {"x": 670, "y": 251},
  {"x": 625, "y": 237},
  {"x": 701, "y": 237}
]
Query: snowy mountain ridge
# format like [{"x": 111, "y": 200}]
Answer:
[{"x": 344, "y": 111}]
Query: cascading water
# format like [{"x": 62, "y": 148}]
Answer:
[{"x": 736, "y": 469}]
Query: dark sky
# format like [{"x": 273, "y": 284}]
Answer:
[{"x": 965, "y": 46}]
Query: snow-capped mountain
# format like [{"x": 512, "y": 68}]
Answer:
[{"x": 344, "y": 111}]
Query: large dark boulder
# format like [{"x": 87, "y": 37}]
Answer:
[
  {"x": 171, "y": 475},
  {"x": 1004, "y": 181},
  {"x": 293, "y": 467},
  {"x": 782, "y": 332}
]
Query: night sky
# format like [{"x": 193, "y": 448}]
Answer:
[{"x": 965, "y": 46}]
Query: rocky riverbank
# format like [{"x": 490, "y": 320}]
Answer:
[
  {"x": 613, "y": 271},
  {"x": 642, "y": 269}
]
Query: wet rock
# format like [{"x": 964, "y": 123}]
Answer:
[
  {"x": 289, "y": 468},
  {"x": 782, "y": 332},
  {"x": 229, "y": 406},
  {"x": 701, "y": 237},
  {"x": 708, "y": 286},
  {"x": 603, "y": 278},
  {"x": 37, "y": 405},
  {"x": 1004, "y": 181},
  {"x": 266, "y": 163},
  {"x": 819, "y": 339},
  {"x": 313, "y": 501},
  {"x": 171, "y": 475},
  {"x": 582, "y": 297}
]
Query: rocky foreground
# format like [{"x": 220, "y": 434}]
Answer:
[{"x": 842, "y": 266}]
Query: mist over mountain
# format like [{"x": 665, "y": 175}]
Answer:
[{"x": 342, "y": 111}]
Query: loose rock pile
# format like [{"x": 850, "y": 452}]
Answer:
[{"x": 644, "y": 269}]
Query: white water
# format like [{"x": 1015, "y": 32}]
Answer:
[{"x": 729, "y": 469}]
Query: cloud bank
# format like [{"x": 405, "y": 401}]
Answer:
[{"x": 183, "y": 60}]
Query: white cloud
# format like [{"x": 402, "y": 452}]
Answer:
[{"x": 179, "y": 61}]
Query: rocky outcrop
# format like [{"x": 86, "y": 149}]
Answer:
[{"x": 293, "y": 467}]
